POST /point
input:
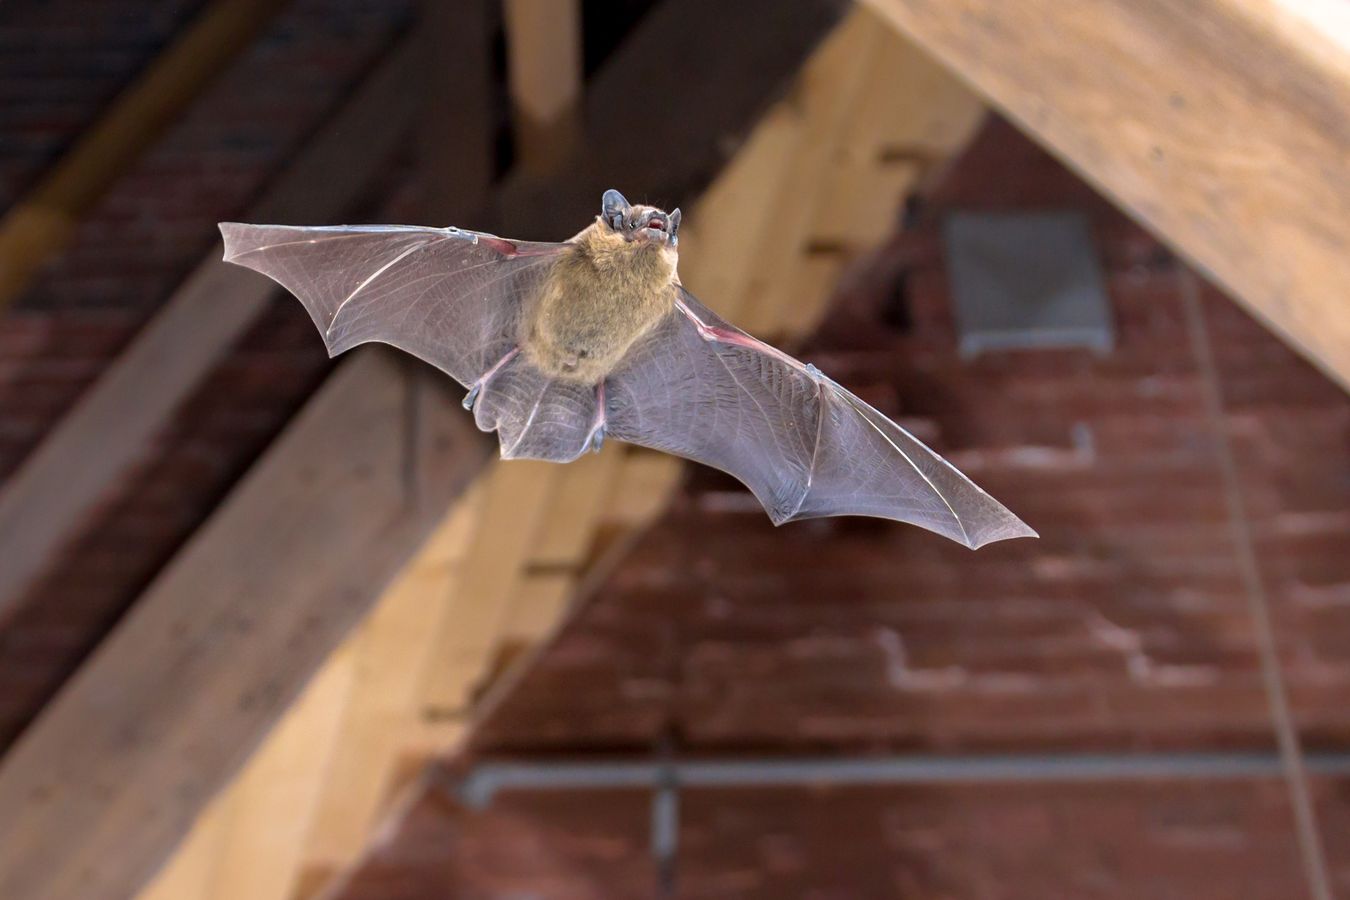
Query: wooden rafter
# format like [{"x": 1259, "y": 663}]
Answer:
[
  {"x": 1220, "y": 124},
  {"x": 41, "y": 223},
  {"x": 480, "y": 599}
]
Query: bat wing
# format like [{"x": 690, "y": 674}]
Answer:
[
  {"x": 451, "y": 297},
  {"x": 700, "y": 388}
]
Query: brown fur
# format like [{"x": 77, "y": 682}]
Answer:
[{"x": 604, "y": 292}]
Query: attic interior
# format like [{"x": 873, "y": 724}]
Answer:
[{"x": 279, "y": 627}]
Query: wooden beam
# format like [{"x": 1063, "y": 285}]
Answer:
[
  {"x": 60, "y": 482},
  {"x": 396, "y": 647},
  {"x": 543, "y": 55},
  {"x": 42, "y": 222},
  {"x": 98, "y": 790},
  {"x": 1220, "y": 124},
  {"x": 381, "y": 667},
  {"x": 278, "y": 794}
]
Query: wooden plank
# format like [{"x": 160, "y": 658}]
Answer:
[
  {"x": 276, "y": 797},
  {"x": 97, "y": 792},
  {"x": 518, "y": 495},
  {"x": 579, "y": 501},
  {"x": 906, "y": 115},
  {"x": 192, "y": 872},
  {"x": 543, "y": 54},
  {"x": 485, "y": 602},
  {"x": 828, "y": 99},
  {"x": 1220, "y": 124},
  {"x": 245, "y": 844},
  {"x": 394, "y": 649},
  {"x": 911, "y": 114},
  {"x": 716, "y": 244},
  {"x": 42, "y": 222},
  {"x": 52, "y": 492}
]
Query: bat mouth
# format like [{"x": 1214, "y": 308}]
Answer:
[{"x": 655, "y": 228}]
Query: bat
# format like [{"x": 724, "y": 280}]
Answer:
[{"x": 564, "y": 345}]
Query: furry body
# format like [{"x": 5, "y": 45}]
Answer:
[{"x": 604, "y": 293}]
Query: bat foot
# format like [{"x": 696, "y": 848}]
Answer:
[
  {"x": 598, "y": 431},
  {"x": 472, "y": 396}
]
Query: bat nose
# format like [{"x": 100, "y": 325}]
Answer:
[{"x": 658, "y": 220}]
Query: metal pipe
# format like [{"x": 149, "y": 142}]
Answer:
[{"x": 484, "y": 780}]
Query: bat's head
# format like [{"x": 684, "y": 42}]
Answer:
[{"x": 639, "y": 223}]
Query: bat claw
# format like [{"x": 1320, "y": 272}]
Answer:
[
  {"x": 597, "y": 440},
  {"x": 472, "y": 396},
  {"x": 813, "y": 371}
]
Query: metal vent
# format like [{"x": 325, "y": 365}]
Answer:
[{"x": 1026, "y": 280}]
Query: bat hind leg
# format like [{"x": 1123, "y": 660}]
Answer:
[
  {"x": 597, "y": 438},
  {"x": 477, "y": 387}
]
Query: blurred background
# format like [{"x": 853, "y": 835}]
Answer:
[{"x": 277, "y": 627}]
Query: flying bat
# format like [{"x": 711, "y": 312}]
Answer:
[{"x": 564, "y": 345}]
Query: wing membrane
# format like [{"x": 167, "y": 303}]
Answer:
[
  {"x": 449, "y": 296},
  {"x": 702, "y": 389}
]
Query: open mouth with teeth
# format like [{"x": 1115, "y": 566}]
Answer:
[
  {"x": 652, "y": 230},
  {"x": 655, "y": 228}
]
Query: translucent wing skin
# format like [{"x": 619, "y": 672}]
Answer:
[
  {"x": 448, "y": 296},
  {"x": 695, "y": 386},
  {"x": 702, "y": 389}
]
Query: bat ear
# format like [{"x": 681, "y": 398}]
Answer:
[
  {"x": 613, "y": 204},
  {"x": 675, "y": 221}
]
